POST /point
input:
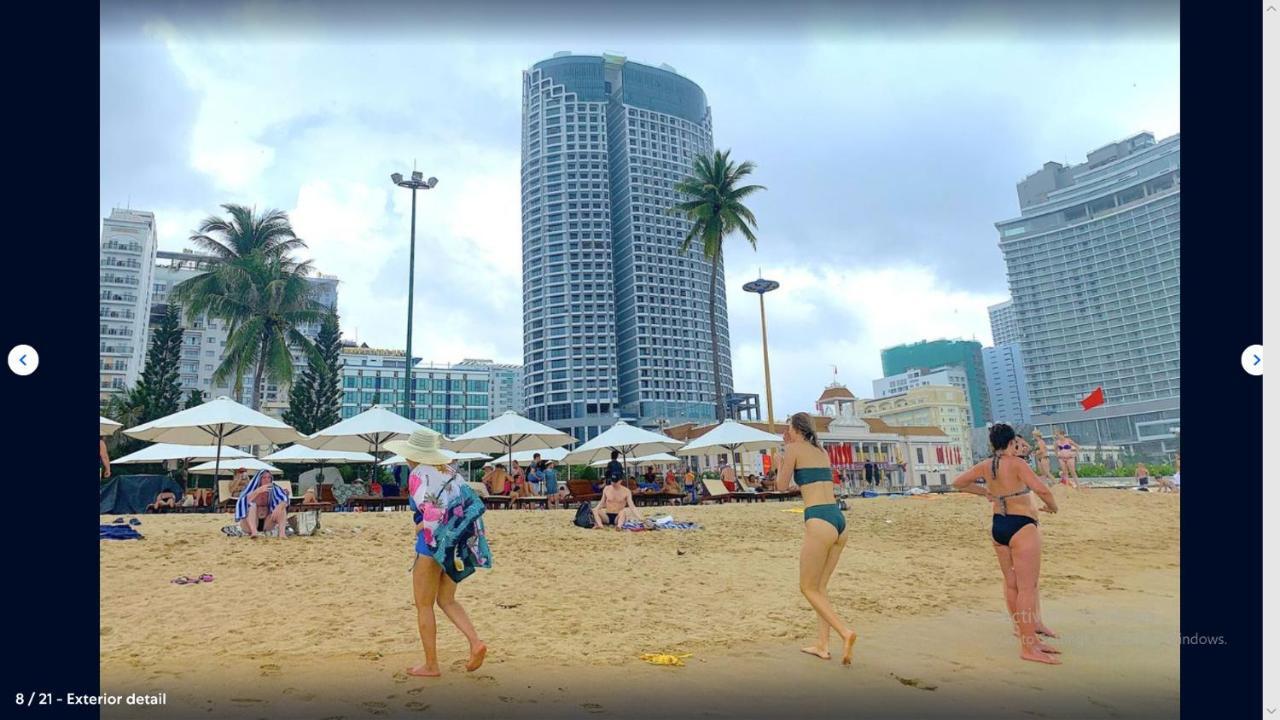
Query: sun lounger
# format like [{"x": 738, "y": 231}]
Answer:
[
  {"x": 580, "y": 491},
  {"x": 491, "y": 502},
  {"x": 531, "y": 501},
  {"x": 715, "y": 491}
]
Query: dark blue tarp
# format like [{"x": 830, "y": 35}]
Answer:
[{"x": 131, "y": 494}]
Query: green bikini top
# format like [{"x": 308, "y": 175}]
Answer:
[{"x": 804, "y": 476}]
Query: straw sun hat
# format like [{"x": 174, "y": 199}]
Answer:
[{"x": 423, "y": 446}]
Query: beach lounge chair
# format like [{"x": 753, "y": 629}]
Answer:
[
  {"x": 714, "y": 491},
  {"x": 491, "y": 502},
  {"x": 580, "y": 491},
  {"x": 531, "y": 501}
]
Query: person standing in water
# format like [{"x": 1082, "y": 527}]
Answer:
[
  {"x": 1015, "y": 535},
  {"x": 807, "y": 466},
  {"x": 444, "y": 513}
]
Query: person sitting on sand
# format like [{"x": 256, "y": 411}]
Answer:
[
  {"x": 615, "y": 506},
  {"x": 447, "y": 516},
  {"x": 263, "y": 503},
  {"x": 1166, "y": 485},
  {"x": 164, "y": 501},
  {"x": 806, "y": 465},
  {"x": 1015, "y": 535}
]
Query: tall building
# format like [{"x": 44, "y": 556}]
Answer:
[
  {"x": 126, "y": 258},
  {"x": 615, "y": 317},
  {"x": 1004, "y": 326},
  {"x": 953, "y": 375},
  {"x": 1007, "y": 384},
  {"x": 934, "y": 406},
  {"x": 506, "y": 385},
  {"x": 942, "y": 353},
  {"x": 449, "y": 399},
  {"x": 1093, "y": 269}
]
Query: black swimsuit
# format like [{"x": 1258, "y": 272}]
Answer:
[{"x": 1003, "y": 525}]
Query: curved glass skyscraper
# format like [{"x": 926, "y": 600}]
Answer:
[{"x": 615, "y": 317}]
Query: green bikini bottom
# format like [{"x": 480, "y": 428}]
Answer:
[{"x": 829, "y": 513}]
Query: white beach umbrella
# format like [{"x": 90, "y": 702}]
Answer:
[
  {"x": 367, "y": 431},
  {"x": 301, "y": 454},
  {"x": 510, "y": 433},
  {"x": 221, "y": 421},
  {"x": 628, "y": 440},
  {"x": 161, "y": 452},
  {"x": 399, "y": 459},
  {"x": 526, "y": 456},
  {"x": 107, "y": 426},
  {"x": 731, "y": 437},
  {"x": 213, "y": 468},
  {"x": 656, "y": 459}
]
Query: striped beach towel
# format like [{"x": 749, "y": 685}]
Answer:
[{"x": 277, "y": 496}]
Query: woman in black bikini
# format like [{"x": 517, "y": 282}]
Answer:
[
  {"x": 806, "y": 465},
  {"x": 1015, "y": 533}
]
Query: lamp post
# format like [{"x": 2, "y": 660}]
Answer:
[
  {"x": 760, "y": 286},
  {"x": 414, "y": 183}
]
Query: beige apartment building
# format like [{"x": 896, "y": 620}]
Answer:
[{"x": 938, "y": 406}]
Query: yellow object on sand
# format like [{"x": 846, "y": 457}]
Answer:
[
  {"x": 665, "y": 659},
  {"x": 794, "y": 510}
]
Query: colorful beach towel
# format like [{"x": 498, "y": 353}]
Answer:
[
  {"x": 118, "y": 532},
  {"x": 277, "y": 496},
  {"x": 451, "y": 511}
]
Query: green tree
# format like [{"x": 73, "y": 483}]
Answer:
[
  {"x": 315, "y": 400},
  {"x": 128, "y": 408},
  {"x": 259, "y": 289},
  {"x": 159, "y": 387},
  {"x": 194, "y": 398},
  {"x": 714, "y": 207}
]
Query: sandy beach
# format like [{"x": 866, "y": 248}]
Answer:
[{"x": 566, "y": 612}]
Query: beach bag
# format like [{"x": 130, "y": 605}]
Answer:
[{"x": 584, "y": 518}]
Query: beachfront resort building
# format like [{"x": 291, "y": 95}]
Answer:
[
  {"x": 1007, "y": 384},
  {"x": 868, "y": 453},
  {"x": 951, "y": 375},
  {"x": 615, "y": 317},
  {"x": 506, "y": 385},
  {"x": 1093, "y": 270},
  {"x": 449, "y": 399},
  {"x": 932, "y": 406},
  {"x": 937, "y": 354},
  {"x": 126, "y": 260},
  {"x": 204, "y": 339},
  {"x": 1004, "y": 324}
]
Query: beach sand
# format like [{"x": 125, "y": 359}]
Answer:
[{"x": 566, "y": 612}]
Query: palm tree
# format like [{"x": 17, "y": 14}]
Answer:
[
  {"x": 258, "y": 288},
  {"x": 716, "y": 211}
]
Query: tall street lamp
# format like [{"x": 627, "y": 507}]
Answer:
[
  {"x": 760, "y": 286},
  {"x": 414, "y": 183}
]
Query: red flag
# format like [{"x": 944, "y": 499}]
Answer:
[
  {"x": 939, "y": 448},
  {"x": 1094, "y": 400}
]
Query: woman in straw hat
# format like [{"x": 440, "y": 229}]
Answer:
[{"x": 450, "y": 543}]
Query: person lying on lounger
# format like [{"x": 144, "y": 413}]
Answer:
[
  {"x": 165, "y": 500},
  {"x": 615, "y": 506}
]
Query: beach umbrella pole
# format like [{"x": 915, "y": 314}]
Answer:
[{"x": 217, "y": 460}]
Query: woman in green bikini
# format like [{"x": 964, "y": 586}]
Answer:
[{"x": 806, "y": 465}]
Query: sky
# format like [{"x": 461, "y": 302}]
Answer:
[{"x": 890, "y": 141}]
